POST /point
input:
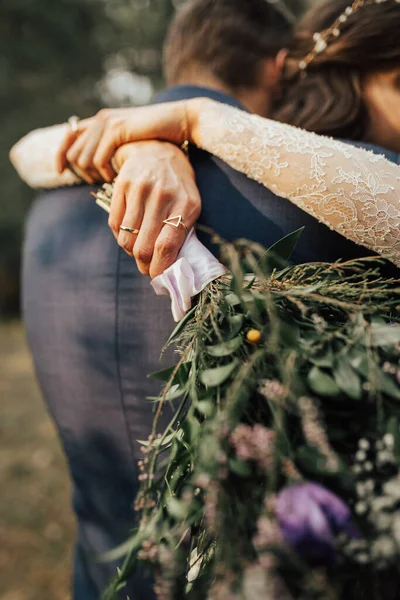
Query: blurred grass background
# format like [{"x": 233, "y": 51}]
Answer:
[
  {"x": 36, "y": 524},
  {"x": 57, "y": 58}
]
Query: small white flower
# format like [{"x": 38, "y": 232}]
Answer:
[{"x": 384, "y": 212}]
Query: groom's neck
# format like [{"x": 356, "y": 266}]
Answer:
[{"x": 255, "y": 100}]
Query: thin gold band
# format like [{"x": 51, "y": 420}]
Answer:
[{"x": 129, "y": 229}]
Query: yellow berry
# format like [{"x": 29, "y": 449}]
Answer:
[{"x": 253, "y": 336}]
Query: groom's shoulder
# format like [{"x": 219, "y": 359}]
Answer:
[{"x": 187, "y": 92}]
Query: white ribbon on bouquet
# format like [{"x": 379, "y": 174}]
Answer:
[{"x": 194, "y": 268}]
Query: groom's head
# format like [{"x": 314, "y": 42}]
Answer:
[{"x": 232, "y": 45}]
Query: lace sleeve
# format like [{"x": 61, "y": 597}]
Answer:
[
  {"x": 34, "y": 158},
  {"x": 351, "y": 190}
]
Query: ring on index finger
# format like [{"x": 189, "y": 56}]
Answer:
[
  {"x": 176, "y": 222},
  {"x": 73, "y": 122}
]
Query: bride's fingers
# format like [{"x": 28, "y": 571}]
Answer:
[
  {"x": 149, "y": 231},
  {"x": 68, "y": 140},
  {"x": 165, "y": 122},
  {"x": 166, "y": 249},
  {"x": 111, "y": 140},
  {"x": 135, "y": 199},
  {"x": 118, "y": 206},
  {"x": 74, "y": 159},
  {"x": 126, "y": 239},
  {"x": 61, "y": 157},
  {"x": 88, "y": 148},
  {"x": 184, "y": 212}
]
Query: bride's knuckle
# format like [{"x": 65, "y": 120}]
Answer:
[
  {"x": 143, "y": 186},
  {"x": 122, "y": 182},
  {"x": 166, "y": 193},
  {"x": 113, "y": 223},
  {"x": 70, "y": 156},
  {"x": 165, "y": 247},
  {"x": 192, "y": 206},
  {"x": 83, "y": 163},
  {"x": 143, "y": 254},
  {"x": 125, "y": 244},
  {"x": 99, "y": 161},
  {"x": 111, "y": 130},
  {"x": 144, "y": 269},
  {"x": 103, "y": 114}
]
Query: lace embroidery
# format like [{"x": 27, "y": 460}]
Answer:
[{"x": 351, "y": 190}]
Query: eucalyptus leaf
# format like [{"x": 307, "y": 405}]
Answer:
[
  {"x": 347, "y": 379},
  {"x": 232, "y": 299},
  {"x": 225, "y": 348},
  {"x": 206, "y": 407},
  {"x": 217, "y": 376},
  {"x": 175, "y": 392},
  {"x": 323, "y": 359},
  {"x": 276, "y": 256},
  {"x": 389, "y": 385},
  {"x": 176, "y": 508},
  {"x": 393, "y": 428},
  {"x": 158, "y": 442},
  {"x": 238, "y": 467},
  {"x": 384, "y": 335},
  {"x": 322, "y": 383},
  {"x": 235, "y": 324},
  {"x": 181, "y": 325},
  {"x": 166, "y": 374},
  {"x": 311, "y": 460}
]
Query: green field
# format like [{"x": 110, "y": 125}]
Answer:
[{"x": 36, "y": 524}]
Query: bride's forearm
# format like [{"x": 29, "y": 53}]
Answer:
[{"x": 352, "y": 191}]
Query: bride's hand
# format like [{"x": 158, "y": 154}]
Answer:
[
  {"x": 156, "y": 182},
  {"x": 90, "y": 150}
]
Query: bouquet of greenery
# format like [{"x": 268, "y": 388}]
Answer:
[{"x": 278, "y": 476}]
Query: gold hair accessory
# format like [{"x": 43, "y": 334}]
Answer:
[{"x": 323, "y": 38}]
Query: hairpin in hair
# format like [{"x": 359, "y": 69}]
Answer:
[{"x": 323, "y": 38}]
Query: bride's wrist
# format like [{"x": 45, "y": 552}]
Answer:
[{"x": 193, "y": 109}]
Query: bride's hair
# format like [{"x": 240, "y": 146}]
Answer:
[{"x": 327, "y": 97}]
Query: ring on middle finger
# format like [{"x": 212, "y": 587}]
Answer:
[
  {"x": 129, "y": 229},
  {"x": 176, "y": 222}
]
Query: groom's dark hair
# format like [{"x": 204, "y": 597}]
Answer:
[{"x": 229, "y": 38}]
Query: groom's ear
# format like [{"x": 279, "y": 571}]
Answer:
[{"x": 272, "y": 72}]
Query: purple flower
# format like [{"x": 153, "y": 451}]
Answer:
[{"x": 310, "y": 518}]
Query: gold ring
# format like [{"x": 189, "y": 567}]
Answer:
[
  {"x": 129, "y": 229},
  {"x": 73, "y": 122},
  {"x": 176, "y": 222}
]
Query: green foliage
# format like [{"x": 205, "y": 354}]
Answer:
[{"x": 316, "y": 399}]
